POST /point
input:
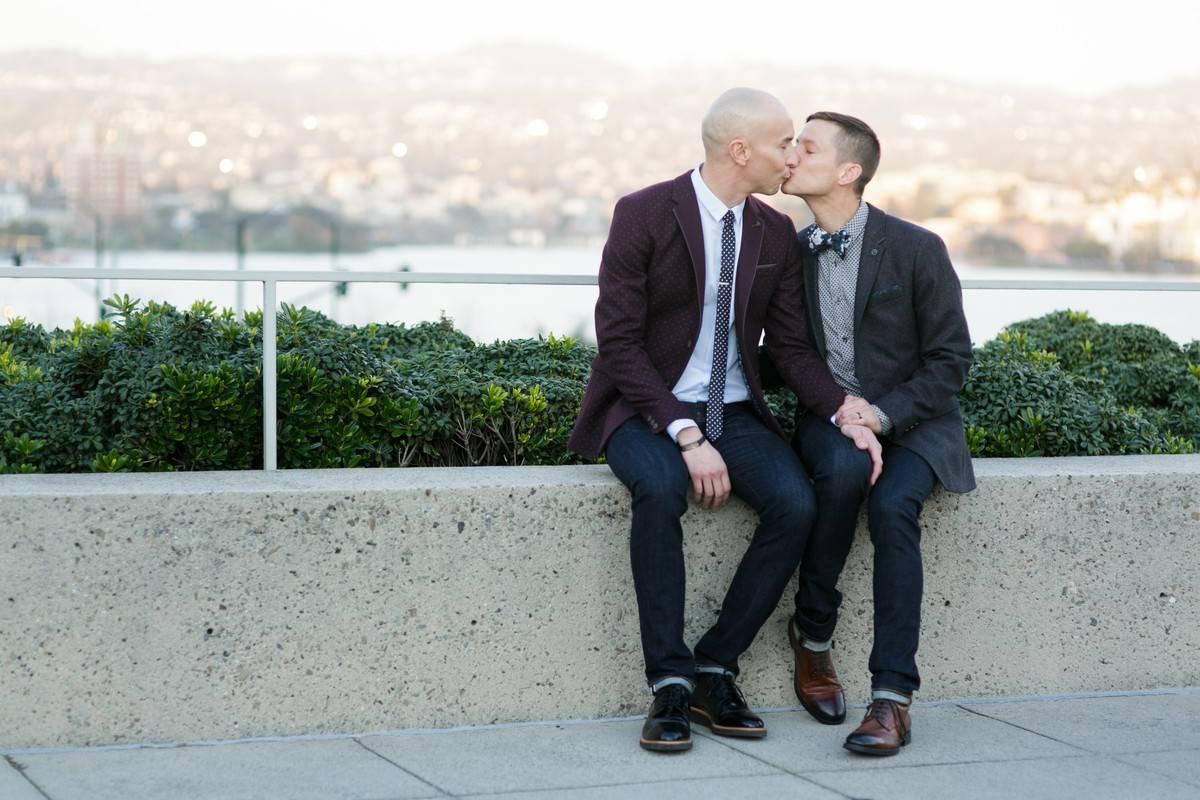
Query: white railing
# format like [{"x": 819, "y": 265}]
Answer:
[{"x": 271, "y": 278}]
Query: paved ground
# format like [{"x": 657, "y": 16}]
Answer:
[{"x": 1129, "y": 745}]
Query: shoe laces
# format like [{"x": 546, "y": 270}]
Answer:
[
  {"x": 725, "y": 691},
  {"x": 821, "y": 665},
  {"x": 882, "y": 710},
  {"x": 675, "y": 697}
]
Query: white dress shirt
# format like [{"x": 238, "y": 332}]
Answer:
[{"x": 692, "y": 386}]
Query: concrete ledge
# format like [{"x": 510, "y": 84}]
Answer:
[{"x": 175, "y": 607}]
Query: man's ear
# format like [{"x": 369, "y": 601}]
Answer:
[
  {"x": 739, "y": 151},
  {"x": 849, "y": 173}
]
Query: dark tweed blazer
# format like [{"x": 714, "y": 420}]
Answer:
[
  {"x": 912, "y": 350},
  {"x": 650, "y": 304}
]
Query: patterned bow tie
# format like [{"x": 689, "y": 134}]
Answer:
[{"x": 819, "y": 240}]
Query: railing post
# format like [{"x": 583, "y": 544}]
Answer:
[{"x": 268, "y": 377}]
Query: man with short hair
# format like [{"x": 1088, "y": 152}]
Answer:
[
  {"x": 694, "y": 272},
  {"x": 885, "y": 311}
]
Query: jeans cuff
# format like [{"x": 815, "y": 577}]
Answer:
[
  {"x": 714, "y": 669},
  {"x": 672, "y": 680},
  {"x": 902, "y": 698},
  {"x": 816, "y": 647},
  {"x": 805, "y": 629}
]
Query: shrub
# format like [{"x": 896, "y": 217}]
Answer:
[
  {"x": 1052, "y": 413},
  {"x": 1021, "y": 401},
  {"x": 1140, "y": 365},
  {"x": 157, "y": 388},
  {"x": 1191, "y": 352}
]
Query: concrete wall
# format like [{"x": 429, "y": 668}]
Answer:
[{"x": 166, "y": 607}]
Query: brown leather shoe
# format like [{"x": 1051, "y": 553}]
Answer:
[
  {"x": 884, "y": 730},
  {"x": 816, "y": 683}
]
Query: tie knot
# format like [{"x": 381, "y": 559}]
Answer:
[{"x": 728, "y": 218}]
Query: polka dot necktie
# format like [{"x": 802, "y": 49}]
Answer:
[{"x": 715, "y": 415}]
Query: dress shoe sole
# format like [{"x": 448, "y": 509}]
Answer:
[
  {"x": 700, "y": 716},
  {"x": 659, "y": 746},
  {"x": 812, "y": 710},
  {"x": 867, "y": 750}
]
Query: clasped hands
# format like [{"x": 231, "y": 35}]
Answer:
[{"x": 855, "y": 418}]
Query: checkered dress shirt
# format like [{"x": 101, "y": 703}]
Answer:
[{"x": 837, "y": 280}]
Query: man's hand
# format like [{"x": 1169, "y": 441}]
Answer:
[
  {"x": 864, "y": 439},
  {"x": 857, "y": 411},
  {"x": 710, "y": 477}
]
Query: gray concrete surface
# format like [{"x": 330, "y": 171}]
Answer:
[
  {"x": 142, "y": 608},
  {"x": 1042, "y": 748}
]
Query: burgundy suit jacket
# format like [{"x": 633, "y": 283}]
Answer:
[{"x": 650, "y": 304}]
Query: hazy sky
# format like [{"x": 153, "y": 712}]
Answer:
[{"x": 1075, "y": 45}]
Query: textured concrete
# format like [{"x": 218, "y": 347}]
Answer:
[
  {"x": 1142, "y": 728},
  {"x": 14, "y": 787},
  {"x": 482, "y": 761},
  {"x": 245, "y": 771},
  {"x": 179, "y": 607},
  {"x": 945, "y": 734},
  {"x": 776, "y": 787},
  {"x": 1049, "y": 779},
  {"x": 1181, "y": 764},
  {"x": 956, "y": 752}
]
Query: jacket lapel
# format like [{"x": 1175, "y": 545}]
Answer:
[
  {"x": 812, "y": 298},
  {"x": 873, "y": 246},
  {"x": 687, "y": 214},
  {"x": 743, "y": 282}
]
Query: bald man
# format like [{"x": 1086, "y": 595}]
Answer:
[{"x": 694, "y": 272}]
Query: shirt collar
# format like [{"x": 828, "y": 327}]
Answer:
[
  {"x": 711, "y": 203},
  {"x": 858, "y": 223}
]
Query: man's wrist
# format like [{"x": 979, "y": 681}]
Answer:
[
  {"x": 885, "y": 422},
  {"x": 679, "y": 426},
  {"x": 683, "y": 448}
]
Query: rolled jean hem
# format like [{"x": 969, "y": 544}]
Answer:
[
  {"x": 672, "y": 680},
  {"x": 904, "y": 698},
  {"x": 814, "y": 633},
  {"x": 891, "y": 682}
]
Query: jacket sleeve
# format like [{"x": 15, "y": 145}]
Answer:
[
  {"x": 943, "y": 339},
  {"x": 621, "y": 320},
  {"x": 788, "y": 347}
]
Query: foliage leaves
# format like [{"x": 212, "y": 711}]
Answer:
[{"x": 153, "y": 387}]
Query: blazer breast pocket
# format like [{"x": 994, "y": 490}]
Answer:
[
  {"x": 761, "y": 267},
  {"x": 888, "y": 294}
]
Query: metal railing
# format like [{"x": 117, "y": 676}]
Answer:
[{"x": 270, "y": 279}]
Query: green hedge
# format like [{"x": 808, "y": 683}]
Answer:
[
  {"x": 156, "y": 388},
  {"x": 1065, "y": 384}
]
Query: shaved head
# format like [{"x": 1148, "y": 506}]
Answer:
[{"x": 738, "y": 113}]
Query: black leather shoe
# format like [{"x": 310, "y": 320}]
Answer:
[
  {"x": 719, "y": 704},
  {"x": 667, "y": 729}
]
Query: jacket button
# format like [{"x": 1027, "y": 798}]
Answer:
[{"x": 874, "y": 251}]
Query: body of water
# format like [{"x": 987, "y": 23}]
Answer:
[{"x": 503, "y": 312}]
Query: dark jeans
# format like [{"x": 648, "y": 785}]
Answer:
[
  {"x": 765, "y": 473},
  {"x": 840, "y": 473}
]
